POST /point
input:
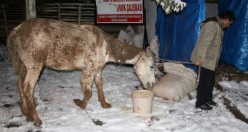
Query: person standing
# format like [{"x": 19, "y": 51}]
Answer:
[{"x": 206, "y": 55}]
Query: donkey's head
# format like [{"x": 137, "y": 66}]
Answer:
[{"x": 144, "y": 68}]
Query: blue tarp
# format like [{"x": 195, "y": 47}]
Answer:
[
  {"x": 178, "y": 32},
  {"x": 235, "y": 41}
]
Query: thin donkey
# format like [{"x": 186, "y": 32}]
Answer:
[{"x": 64, "y": 46}]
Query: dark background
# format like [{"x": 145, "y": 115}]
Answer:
[{"x": 38, "y": 2}]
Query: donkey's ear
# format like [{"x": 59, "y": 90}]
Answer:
[
  {"x": 149, "y": 52},
  {"x": 154, "y": 46}
]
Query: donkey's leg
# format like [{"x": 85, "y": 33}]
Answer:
[
  {"x": 101, "y": 98},
  {"x": 29, "y": 83},
  {"x": 86, "y": 83},
  {"x": 23, "y": 103}
]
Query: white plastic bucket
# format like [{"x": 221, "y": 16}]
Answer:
[{"x": 142, "y": 101}]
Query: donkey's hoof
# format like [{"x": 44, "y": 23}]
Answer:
[
  {"x": 38, "y": 123},
  {"x": 106, "y": 105},
  {"x": 79, "y": 103},
  {"x": 29, "y": 119}
]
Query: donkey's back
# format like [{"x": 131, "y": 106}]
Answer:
[{"x": 56, "y": 44}]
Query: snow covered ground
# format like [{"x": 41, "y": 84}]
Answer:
[{"x": 55, "y": 92}]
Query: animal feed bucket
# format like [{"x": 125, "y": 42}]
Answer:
[{"x": 142, "y": 101}]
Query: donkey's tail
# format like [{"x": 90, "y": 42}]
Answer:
[{"x": 13, "y": 56}]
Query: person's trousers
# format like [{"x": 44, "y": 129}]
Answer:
[{"x": 205, "y": 86}]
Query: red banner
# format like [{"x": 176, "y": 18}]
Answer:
[{"x": 119, "y": 11}]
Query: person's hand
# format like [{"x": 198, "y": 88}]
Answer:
[{"x": 198, "y": 62}]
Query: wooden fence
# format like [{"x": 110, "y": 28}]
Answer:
[{"x": 77, "y": 13}]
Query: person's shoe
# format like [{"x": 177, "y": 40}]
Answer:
[
  {"x": 212, "y": 103},
  {"x": 204, "y": 107}
]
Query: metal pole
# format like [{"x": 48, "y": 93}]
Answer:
[
  {"x": 79, "y": 14},
  {"x": 30, "y": 9}
]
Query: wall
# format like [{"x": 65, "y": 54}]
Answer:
[{"x": 211, "y": 9}]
